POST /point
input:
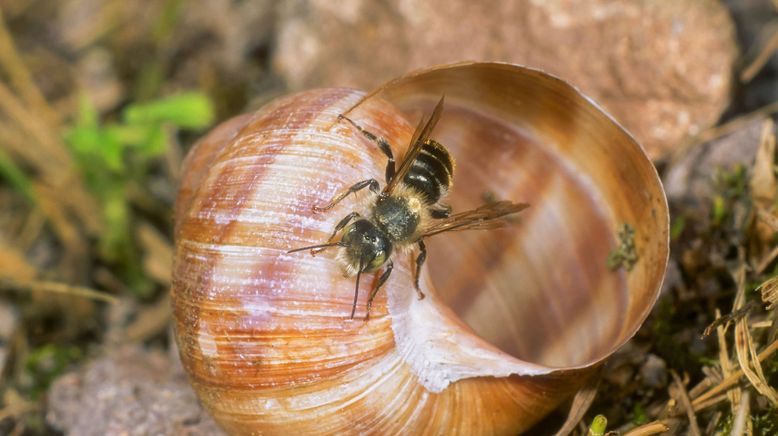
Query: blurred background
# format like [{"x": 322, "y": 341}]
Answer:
[{"x": 100, "y": 99}]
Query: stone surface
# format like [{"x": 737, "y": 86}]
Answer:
[
  {"x": 654, "y": 372},
  {"x": 128, "y": 391},
  {"x": 690, "y": 179},
  {"x": 662, "y": 68}
]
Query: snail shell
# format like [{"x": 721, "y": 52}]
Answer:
[{"x": 515, "y": 319}]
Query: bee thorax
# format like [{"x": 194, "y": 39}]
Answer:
[{"x": 399, "y": 216}]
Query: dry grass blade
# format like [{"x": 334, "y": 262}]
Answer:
[
  {"x": 762, "y": 183},
  {"x": 769, "y": 290},
  {"x": 733, "y": 395},
  {"x": 694, "y": 428},
  {"x": 581, "y": 402},
  {"x": 726, "y": 319},
  {"x": 710, "y": 402},
  {"x": 15, "y": 405},
  {"x": 651, "y": 428},
  {"x": 724, "y": 129},
  {"x": 57, "y": 288},
  {"x": 158, "y": 253},
  {"x": 17, "y": 409},
  {"x": 766, "y": 260},
  {"x": 745, "y": 348},
  {"x": 14, "y": 265},
  {"x": 746, "y": 353},
  {"x": 150, "y": 321},
  {"x": 767, "y": 44},
  {"x": 731, "y": 380},
  {"x": 768, "y": 218},
  {"x": 44, "y": 148},
  {"x": 21, "y": 78},
  {"x": 742, "y": 421},
  {"x": 36, "y": 128}
]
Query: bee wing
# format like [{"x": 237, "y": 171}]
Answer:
[
  {"x": 421, "y": 134},
  {"x": 484, "y": 217}
]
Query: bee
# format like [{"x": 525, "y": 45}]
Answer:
[{"x": 406, "y": 211}]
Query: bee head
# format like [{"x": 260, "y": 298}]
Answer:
[{"x": 366, "y": 245}]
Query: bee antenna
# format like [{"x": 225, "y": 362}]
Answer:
[
  {"x": 313, "y": 247},
  {"x": 356, "y": 288}
]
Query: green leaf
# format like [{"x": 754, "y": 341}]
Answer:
[
  {"x": 96, "y": 148},
  {"x": 156, "y": 142},
  {"x": 191, "y": 110}
]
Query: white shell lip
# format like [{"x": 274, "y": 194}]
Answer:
[{"x": 440, "y": 352}]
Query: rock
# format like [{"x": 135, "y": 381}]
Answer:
[
  {"x": 662, "y": 68},
  {"x": 689, "y": 180},
  {"x": 129, "y": 391},
  {"x": 654, "y": 372}
]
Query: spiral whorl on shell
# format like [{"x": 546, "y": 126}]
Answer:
[{"x": 517, "y": 317}]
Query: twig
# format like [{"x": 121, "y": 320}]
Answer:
[
  {"x": 694, "y": 428},
  {"x": 651, "y": 428}
]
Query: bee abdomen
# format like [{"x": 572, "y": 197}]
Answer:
[{"x": 431, "y": 172}]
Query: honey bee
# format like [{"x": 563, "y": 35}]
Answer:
[{"x": 406, "y": 211}]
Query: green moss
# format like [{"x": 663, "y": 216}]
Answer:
[
  {"x": 639, "y": 415},
  {"x": 625, "y": 255},
  {"x": 46, "y": 363}
]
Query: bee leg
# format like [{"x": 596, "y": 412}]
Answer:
[
  {"x": 443, "y": 212},
  {"x": 347, "y": 219},
  {"x": 369, "y": 183},
  {"x": 419, "y": 262},
  {"x": 381, "y": 281},
  {"x": 382, "y": 144}
]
